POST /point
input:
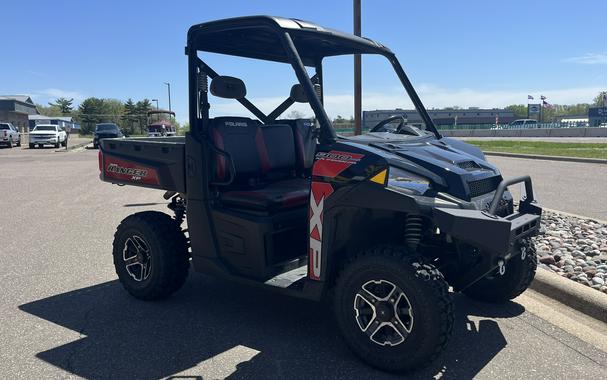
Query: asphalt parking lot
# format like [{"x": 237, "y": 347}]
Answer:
[
  {"x": 573, "y": 187},
  {"x": 63, "y": 314}
]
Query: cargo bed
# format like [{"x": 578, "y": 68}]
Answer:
[{"x": 156, "y": 162}]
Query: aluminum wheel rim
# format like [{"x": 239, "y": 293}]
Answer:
[
  {"x": 137, "y": 258},
  {"x": 383, "y": 312}
]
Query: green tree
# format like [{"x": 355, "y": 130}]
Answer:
[
  {"x": 91, "y": 112},
  {"x": 599, "y": 100},
  {"x": 519, "y": 110},
  {"x": 142, "y": 107},
  {"x": 129, "y": 115},
  {"x": 184, "y": 128},
  {"x": 64, "y": 105},
  {"x": 113, "y": 109},
  {"x": 48, "y": 110}
]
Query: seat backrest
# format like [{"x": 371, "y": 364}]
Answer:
[
  {"x": 259, "y": 152},
  {"x": 276, "y": 150},
  {"x": 236, "y": 136},
  {"x": 305, "y": 142}
]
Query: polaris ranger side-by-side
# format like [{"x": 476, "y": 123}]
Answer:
[{"x": 380, "y": 224}]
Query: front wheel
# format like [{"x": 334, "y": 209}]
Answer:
[
  {"x": 518, "y": 275},
  {"x": 32, "y": 146},
  {"x": 393, "y": 309},
  {"x": 150, "y": 255},
  {"x": 10, "y": 142}
]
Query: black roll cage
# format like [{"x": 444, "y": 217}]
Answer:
[{"x": 225, "y": 40}]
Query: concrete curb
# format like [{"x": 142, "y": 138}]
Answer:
[
  {"x": 575, "y": 215},
  {"x": 551, "y": 158},
  {"x": 577, "y": 296},
  {"x": 70, "y": 147}
]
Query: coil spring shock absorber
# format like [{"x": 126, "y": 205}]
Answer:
[{"x": 413, "y": 231}]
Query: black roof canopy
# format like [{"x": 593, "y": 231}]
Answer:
[{"x": 259, "y": 37}]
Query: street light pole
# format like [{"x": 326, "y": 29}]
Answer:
[
  {"x": 169, "y": 88},
  {"x": 155, "y": 100},
  {"x": 357, "y": 73}
]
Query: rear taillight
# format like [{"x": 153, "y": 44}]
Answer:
[{"x": 100, "y": 155}]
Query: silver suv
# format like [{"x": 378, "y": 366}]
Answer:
[{"x": 9, "y": 135}]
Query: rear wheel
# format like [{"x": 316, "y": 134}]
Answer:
[
  {"x": 150, "y": 255},
  {"x": 393, "y": 309},
  {"x": 518, "y": 275}
]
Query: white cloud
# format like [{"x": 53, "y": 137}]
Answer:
[
  {"x": 50, "y": 94},
  {"x": 590, "y": 59},
  {"x": 432, "y": 96}
]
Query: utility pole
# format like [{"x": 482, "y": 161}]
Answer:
[
  {"x": 357, "y": 74},
  {"x": 169, "y": 88},
  {"x": 155, "y": 100}
]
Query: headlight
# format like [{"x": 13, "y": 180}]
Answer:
[{"x": 402, "y": 180}]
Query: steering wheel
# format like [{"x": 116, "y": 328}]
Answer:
[
  {"x": 380, "y": 126},
  {"x": 401, "y": 129}
]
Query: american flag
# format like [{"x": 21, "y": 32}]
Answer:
[
  {"x": 543, "y": 97},
  {"x": 529, "y": 97},
  {"x": 546, "y": 104}
]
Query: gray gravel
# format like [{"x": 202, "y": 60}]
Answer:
[{"x": 574, "y": 248}]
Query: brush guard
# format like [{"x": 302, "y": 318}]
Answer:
[{"x": 494, "y": 236}]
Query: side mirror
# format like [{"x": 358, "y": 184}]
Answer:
[{"x": 298, "y": 94}]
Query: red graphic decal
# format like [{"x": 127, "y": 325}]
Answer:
[
  {"x": 320, "y": 192},
  {"x": 127, "y": 171},
  {"x": 331, "y": 164}
]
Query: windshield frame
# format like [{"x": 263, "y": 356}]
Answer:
[{"x": 198, "y": 71}]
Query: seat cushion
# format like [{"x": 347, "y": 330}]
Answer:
[{"x": 279, "y": 195}]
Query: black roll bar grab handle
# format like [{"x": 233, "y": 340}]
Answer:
[{"x": 507, "y": 182}]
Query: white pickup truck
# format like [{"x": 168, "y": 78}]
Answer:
[
  {"x": 47, "y": 134},
  {"x": 9, "y": 135}
]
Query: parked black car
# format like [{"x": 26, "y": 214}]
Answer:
[{"x": 106, "y": 131}]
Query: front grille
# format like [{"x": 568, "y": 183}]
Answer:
[
  {"x": 468, "y": 165},
  {"x": 43, "y": 136},
  {"x": 483, "y": 186}
]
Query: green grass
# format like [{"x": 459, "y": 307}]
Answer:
[{"x": 585, "y": 150}]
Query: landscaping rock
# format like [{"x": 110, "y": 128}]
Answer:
[{"x": 575, "y": 248}]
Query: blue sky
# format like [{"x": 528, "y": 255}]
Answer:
[{"x": 466, "y": 53}]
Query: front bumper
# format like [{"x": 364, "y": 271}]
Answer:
[
  {"x": 494, "y": 236},
  {"x": 52, "y": 140}
]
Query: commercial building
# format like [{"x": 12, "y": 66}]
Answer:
[
  {"x": 15, "y": 109},
  {"x": 443, "y": 117},
  {"x": 597, "y": 116},
  {"x": 63, "y": 121}
]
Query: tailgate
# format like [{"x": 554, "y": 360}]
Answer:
[{"x": 150, "y": 162}]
